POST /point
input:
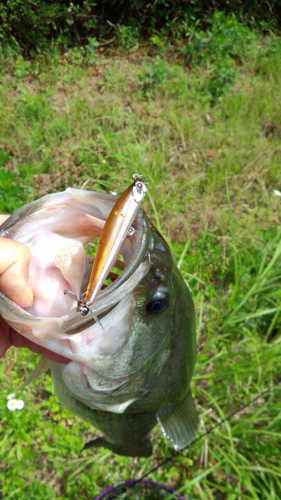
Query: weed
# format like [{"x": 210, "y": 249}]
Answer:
[
  {"x": 11, "y": 194},
  {"x": 127, "y": 36},
  {"x": 4, "y": 156},
  {"x": 31, "y": 25},
  {"x": 221, "y": 78},
  {"x": 22, "y": 67},
  {"x": 90, "y": 51},
  {"x": 83, "y": 55},
  {"x": 153, "y": 74},
  {"x": 267, "y": 62},
  {"x": 225, "y": 37},
  {"x": 159, "y": 40},
  {"x": 219, "y": 48}
]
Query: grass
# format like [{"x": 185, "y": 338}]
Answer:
[{"x": 212, "y": 158}]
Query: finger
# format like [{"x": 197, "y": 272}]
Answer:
[{"x": 14, "y": 271}]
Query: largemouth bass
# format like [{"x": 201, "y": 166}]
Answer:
[{"x": 133, "y": 367}]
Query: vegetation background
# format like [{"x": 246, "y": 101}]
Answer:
[{"x": 188, "y": 94}]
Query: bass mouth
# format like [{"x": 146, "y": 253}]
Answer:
[{"x": 135, "y": 266}]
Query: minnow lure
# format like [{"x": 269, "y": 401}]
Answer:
[{"x": 116, "y": 229}]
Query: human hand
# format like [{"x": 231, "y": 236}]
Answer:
[
  {"x": 14, "y": 273},
  {"x": 14, "y": 270}
]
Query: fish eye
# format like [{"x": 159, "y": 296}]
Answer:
[{"x": 158, "y": 302}]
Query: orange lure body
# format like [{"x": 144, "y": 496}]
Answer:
[{"x": 115, "y": 231}]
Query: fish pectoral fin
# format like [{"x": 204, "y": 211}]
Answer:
[
  {"x": 179, "y": 422},
  {"x": 41, "y": 367}
]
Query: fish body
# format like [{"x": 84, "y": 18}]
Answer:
[{"x": 132, "y": 370}]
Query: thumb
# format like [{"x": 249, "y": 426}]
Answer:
[{"x": 14, "y": 271}]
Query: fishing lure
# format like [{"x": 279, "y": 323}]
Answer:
[{"x": 116, "y": 229}]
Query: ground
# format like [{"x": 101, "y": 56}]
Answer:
[{"x": 207, "y": 137}]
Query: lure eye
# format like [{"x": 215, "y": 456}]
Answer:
[
  {"x": 158, "y": 302},
  {"x": 139, "y": 186}
]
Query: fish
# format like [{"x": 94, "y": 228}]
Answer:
[{"x": 131, "y": 369}]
